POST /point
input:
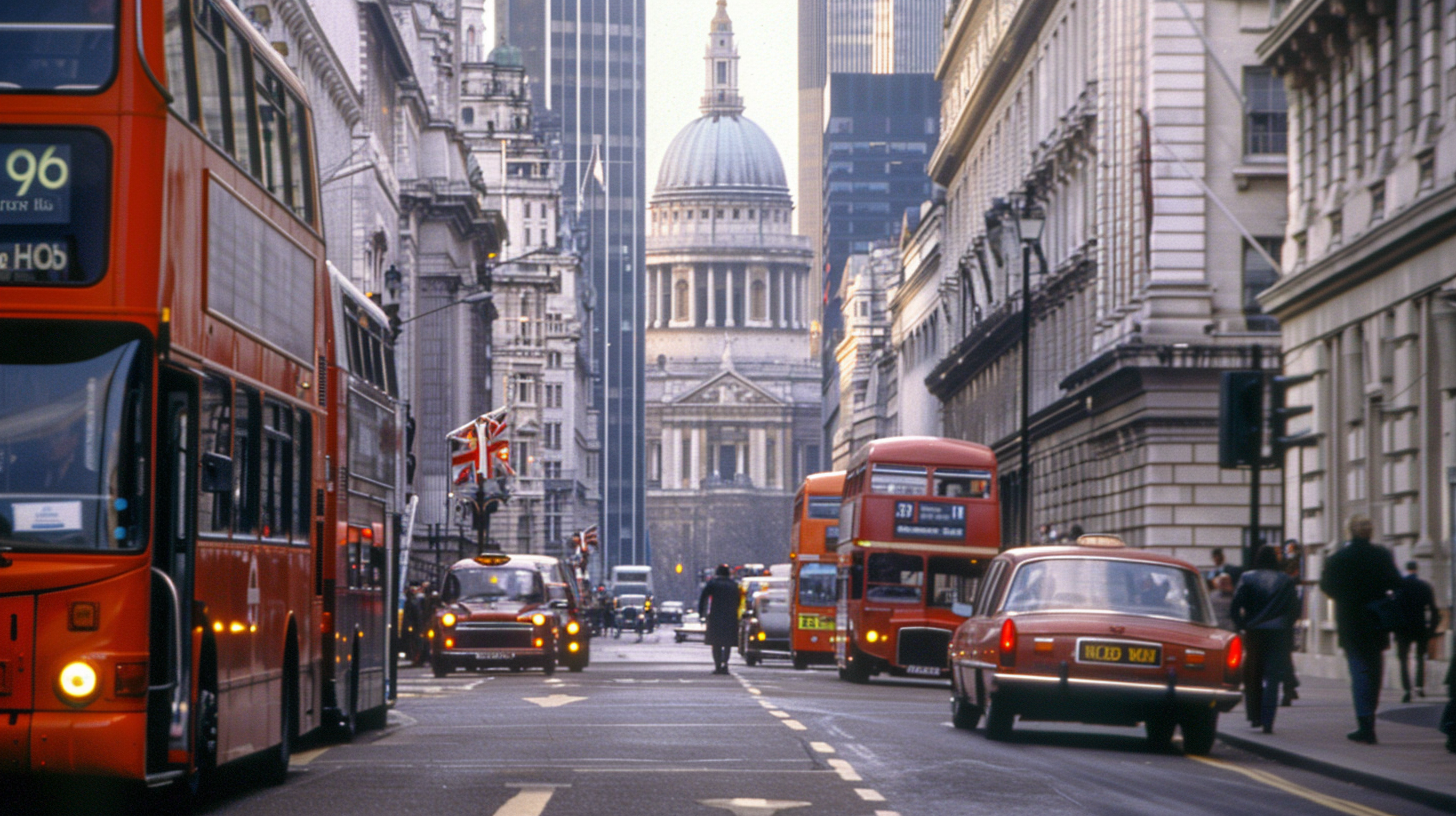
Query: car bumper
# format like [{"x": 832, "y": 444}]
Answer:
[
  {"x": 1033, "y": 690},
  {"x": 497, "y": 657}
]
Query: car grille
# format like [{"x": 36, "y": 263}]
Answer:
[
  {"x": 493, "y": 636},
  {"x": 923, "y": 646}
]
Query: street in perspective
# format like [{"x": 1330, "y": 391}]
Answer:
[{"x": 854, "y": 407}]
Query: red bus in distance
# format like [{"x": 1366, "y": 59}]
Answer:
[
  {"x": 814, "y": 537},
  {"x": 919, "y": 520},
  {"x": 172, "y": 538}
]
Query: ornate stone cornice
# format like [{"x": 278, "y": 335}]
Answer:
[{"x": 300, "y": 23}]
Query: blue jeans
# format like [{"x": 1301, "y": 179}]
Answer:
[{"x": 1366, "y": 668}]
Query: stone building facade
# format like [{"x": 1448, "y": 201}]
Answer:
[
  {"x": 1119, "y": 120},
  {"x": 732, "y": 405},
  {"x": 863, "y": 358},
  {"x": 1367, "y": 299}
]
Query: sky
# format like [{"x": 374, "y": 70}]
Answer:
[{"x": 766, "y": 32}]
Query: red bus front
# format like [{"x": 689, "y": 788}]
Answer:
[
  {"x": 919, "y": 520},
  {"x": 811, "y": 594}
]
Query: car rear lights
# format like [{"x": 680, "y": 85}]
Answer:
[
  {"x": 1233, "y": 659},
  {"x": 131, "y": 679},
  {"x": 1008, "y": 643}
]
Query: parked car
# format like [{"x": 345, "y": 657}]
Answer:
[
  {"x": 764, "y": 628},
  {"x": 670, "y": 612},
  {"x": 1094, "y": 633}
]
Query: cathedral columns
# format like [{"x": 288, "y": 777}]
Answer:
[
  {"x": 784, "y": 299},
  {"x": 758, "y": 467},
  {"x": 695, "y": 464},
  {"x": 712, "y": 296},
  {"x": 729, "y": 288}
]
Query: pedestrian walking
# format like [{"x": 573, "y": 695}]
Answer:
[
  {"x": 1292, "y": 562},
  {"x": 1419, "y": 617},
  {"x": 1264, "y": 607},
  {"x": 718, "y": 606},
  {"x": 1356, "y": 576}
]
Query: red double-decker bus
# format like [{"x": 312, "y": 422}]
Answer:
[
  {"x": 171, "y": 526},
  {"x": 814, "y": 536},
  {"x": 918, "y": 522}
]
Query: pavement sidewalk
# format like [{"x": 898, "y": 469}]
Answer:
[{"x": 1411, "y": 760}]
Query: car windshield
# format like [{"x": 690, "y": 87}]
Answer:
[
  {"x": 59, "y": 45},
  {"x": 816, "y": 585},
  {"x": 1109, "y": 585},
  {"x": 71, "y": 434},
  {"x": 497, "y": 584}
]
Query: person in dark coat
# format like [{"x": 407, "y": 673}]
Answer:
[
  {"x": 1264, "y": 607},
  {"x": 1419, "y": 617},
  {"x": 1355, "y": 576},
  {"x": 718, "y": 605}
]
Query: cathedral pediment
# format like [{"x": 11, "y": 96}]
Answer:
[{"x": 727, "y": 388}]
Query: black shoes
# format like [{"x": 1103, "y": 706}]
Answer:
[
  {"x": 1365, "y": 733},
  {"x": 1406, "y": 698},
  {"x": 720, "y": 670}
]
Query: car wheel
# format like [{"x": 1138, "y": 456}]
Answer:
[
  {"x": 1200, "y": 726},
  {"x": 999, "y": 719},
  {"x": 440, "y": 668},
  {"x": 963, "y": 713},
  {"x": 549, "y": 666},
  {"x": 858, "y": 670},
  {"x": 751, "y": 658},
  {"x": 680, "y": 638},
  {"x": 801, "y": 662},
  {"x": 1160, "y": 728}
]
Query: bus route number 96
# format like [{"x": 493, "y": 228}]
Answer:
[{"x": 35, "y": 184}]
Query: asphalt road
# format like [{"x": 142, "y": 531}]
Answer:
[{"x": 647, "y": 729}]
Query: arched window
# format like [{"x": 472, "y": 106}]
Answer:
[
  {"x": 757, "y": 309},
  {"x": 680, "y": 307}
]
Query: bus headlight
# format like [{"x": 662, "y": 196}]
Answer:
[
  {"x": 573, "y": 647},
  {"x": 78, "y": 682},
  {"x": 572, "y": 627},
  {"x": 872, "y": 636},
  {"x": 538, "y": 619},
  {"x": 448, "y": 619}
]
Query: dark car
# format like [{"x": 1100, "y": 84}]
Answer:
[
  {"x": 494, "y": 613},
  {"x": 764, "y": 628},
  {"x": 1096, "y": 633},
  {"x": 670, "y": 612}
]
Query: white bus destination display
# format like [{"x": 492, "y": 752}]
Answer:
[
  {"x": 35, "y": 184},
  {"x": 921, "y": 519}
]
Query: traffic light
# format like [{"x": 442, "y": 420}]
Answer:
[
  {"x": 409, "y": 446},
  {"x": 1280, "y": 440},
  {"x": 1240, "y": 418}
]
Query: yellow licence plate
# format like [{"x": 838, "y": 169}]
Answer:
[
  {"x": 1104, "y": 651},
  {"x": 815, "y": 622}
]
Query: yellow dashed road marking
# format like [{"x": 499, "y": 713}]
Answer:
[{"x": 1280, "y": 783}]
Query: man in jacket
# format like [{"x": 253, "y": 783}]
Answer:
[
  {"x": 1419, "y": 618},
  {"x": 1264, "y": 606},
  {"x": 1355, "y": 576},
  {"x": 718, "y": 605}
]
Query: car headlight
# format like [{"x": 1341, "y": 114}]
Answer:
[
  {"x": 763, "y": 636},
  {"x": 78, "y": 681},
  {"x": 538, "y": 619},
  {"x": 573, "y": 627},
  {"x": 448, "y": 619}
]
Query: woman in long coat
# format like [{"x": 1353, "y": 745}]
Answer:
[{"x": 718, "y": 605}]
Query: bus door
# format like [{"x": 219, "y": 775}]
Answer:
[{"x": 173, "y": 557}]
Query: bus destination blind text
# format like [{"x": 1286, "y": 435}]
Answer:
[{"x": 938, "y": 520}]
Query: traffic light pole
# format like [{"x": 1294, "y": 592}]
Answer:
[{"x": 1251, "y": 544}]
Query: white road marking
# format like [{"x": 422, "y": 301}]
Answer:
[
  {"x": 554, "y": 701},
  {"x": 529, "y": 802},
  {"x": 845, "y": 770},
  {"x": 887, "y": 813},
  {"x": 780, "y": 714},
  {"x": 304, "y": 757},
  {"x": 745, "y": 806},
  {"x": 765, "y": 703},
  {"x": 754, "y": 691},
  {"x": 795, "y": 725},
  {"x": 822, "y": 747},
  {"x": 869, "y": 794}
]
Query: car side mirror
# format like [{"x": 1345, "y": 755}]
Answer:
[
  {"x": 965, "y": 610},
  {"x": 560, "y": 604},
  {"x": 217, "y": 473}
]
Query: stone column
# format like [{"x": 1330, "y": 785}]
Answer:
[
  {"x": 758, "y": 465},
  {"x": 784, "y": 298},
  {"x": 697, "y": 458},
  {"x": 712, "y": 297},
  {"x": 731, "y": 285}
]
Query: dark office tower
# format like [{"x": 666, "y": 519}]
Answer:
[
  {"x": 851, "y": 37},
  {"x": 586, "y": 64}
]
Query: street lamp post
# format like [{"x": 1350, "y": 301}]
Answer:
[{"x": 1030, "y": 218}]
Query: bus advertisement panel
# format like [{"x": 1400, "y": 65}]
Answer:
[
  {"x": 814, "y": 537},
  {"x": 919, "y": 520}
]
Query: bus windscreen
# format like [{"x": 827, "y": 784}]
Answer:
[{"x": 61, "y": 45}]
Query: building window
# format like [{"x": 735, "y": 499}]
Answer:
[
  {"x": 756, "y": 306},
  {"x": 553, "y": 436},
  {"x": 1258, "y": 276},
  {"x": 467, "y": 115},
  {"x": 680, "y": 307},
  {"x": 1266, "y": 123},
  {"x": 525, "y": 389}
]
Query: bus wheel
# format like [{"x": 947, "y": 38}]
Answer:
[
  {"x": 858, "y": 670},
  {"x": 275, "y": 769},
  {"x": 963, "y": 713},
  {"x": 751, "y": 658},
  {"x": 549, "y": 666},
  {"x": 205, "y": 742},
  {"x": 440, "y": 668},
  {"x": 999, "y": 719},
  {"x": 801, "y": 662}
]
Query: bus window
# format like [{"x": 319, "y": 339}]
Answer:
[
  {"x": 240, "y": 102},
  {"x": 245, "y": 462},
  {"x": 894, "y": 577},
  {"x": 271, "y": 127},
  {"x": 277, "y": 478},
  {"x": 60, "y": 45},
  {"x": 174, "y": 33},
  {"x": 816, "y": 585},
  {"x": 823, "y": 507},
  {"x": 898, "y": 480},
  {"x": 300, "y": 193},
  {"x": 215, "y": 506},
  {"x": 964, "y": 484},
  {"x": 952, "y": 581},
  {"x": 211, "y": 66},
  {"x": 302, "y": 482}
]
